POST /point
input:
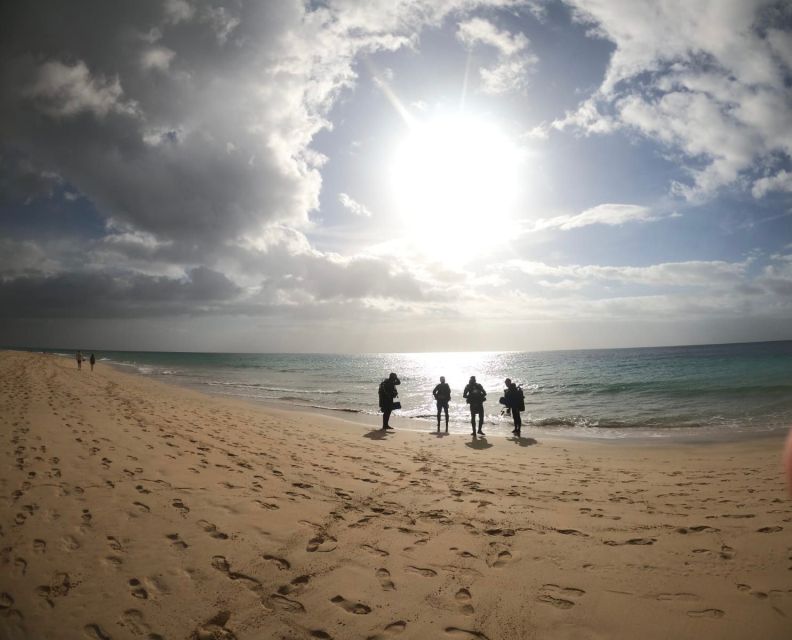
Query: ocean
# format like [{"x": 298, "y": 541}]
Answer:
[{"x": 705, "y": 390}]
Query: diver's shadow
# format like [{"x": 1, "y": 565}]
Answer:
[
  {"x": 377, "y": 434},
  {"x": 479, "y": 443},
  {"x": 523, "y": 442}
]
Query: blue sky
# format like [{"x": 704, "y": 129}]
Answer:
[{"x": 412, "y": 175}]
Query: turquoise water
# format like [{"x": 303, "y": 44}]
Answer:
[{"x": 601, "y": 393}]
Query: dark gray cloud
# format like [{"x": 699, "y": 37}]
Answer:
[
  {"x": 158, "y": 116},
  {"x": 21, "y": 182},
  {"x": 187, "y": 125},
  {"x": 101, "y": 295}
]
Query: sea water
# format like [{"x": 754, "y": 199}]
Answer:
[{"x": 605, "y": 393}]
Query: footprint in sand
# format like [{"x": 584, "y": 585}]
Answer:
[
  {"x": 20, "y": 566},
  {"x": 571, "y": 532},
  {"x": 40, "y": 546},
  {"x": 115, "y": 545},
  {"x": 321, "y": 543},
  {"x": 214, "y": 628},
  {"x": 726, "y": 552},
  {"x": 176, "y": 541},
  {"x": 286, "y": 604},
  {"x": 678, "y": 597},
  {"x": 396, "y": 627},
  {"x": 358, "y": 608},
  {"x": 321, "y": 634},
  {"x": 463, "y": 597},
  {"x": 706, "y": 613},
  {"x": 500, "y": 532},
  {"x": 43, "y": 591},
  {"x": 69, "y": 543},
  {"x": 59, "y": 586},
  {"x": 221, "y": 564},
  {"x": 465, "y": 634},
  {"x": 631, "y": 541},
  {"x": 295, "y": 587},
  {"x": 142, "y": 508},
  {"x": 95, "y": 632},
  {"x": 421, "y": 571},
  {"x": 183, "y": 508},
  {"x": 559, "y": 596},
  {"x": 770, "y": 529},
  {"x": 375, "y": 550},
  {"x": 278, "y": 562},
  {"x": 383, "y": 575},
  {"x": 393, "y": 629},
  {"x": 133, "y": 620},
  {"x": 137, "y": 590},
  {"x": 212, "y": 530},
  {"x": 502, "y": 559}
]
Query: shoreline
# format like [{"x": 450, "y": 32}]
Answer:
[
  {"x": 131, "y": 508},
  {"x": 680, "y": 435}
]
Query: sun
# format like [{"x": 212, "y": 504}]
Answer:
[{"x": 455, "y": 184}]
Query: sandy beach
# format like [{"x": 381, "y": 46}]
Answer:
[{"x": 132, "y": 509}]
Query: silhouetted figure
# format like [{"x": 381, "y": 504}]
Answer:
[
  {"x": 387, "y": 398},
  {"x": 442, "y": 394},
  {"x": 79, "y": 359},
  {"x": 515, "y": 400},
  {"x": 92, "y": 360},
  {"x": 476, "y": 396}
]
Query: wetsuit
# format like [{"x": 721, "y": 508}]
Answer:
[{"x": 442, "y": 394}]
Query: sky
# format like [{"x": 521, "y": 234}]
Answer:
[{"x": 394, "y": 175}]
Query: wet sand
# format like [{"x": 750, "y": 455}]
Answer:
[{"x": 132, "y": 509}]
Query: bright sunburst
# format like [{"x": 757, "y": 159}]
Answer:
[{"x": 455, "y": 182}]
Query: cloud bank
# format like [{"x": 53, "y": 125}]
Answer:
[
  {"x": 708, "y": 79},
  {"x": 160, "y": 160}
]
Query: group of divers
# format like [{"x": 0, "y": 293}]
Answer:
[{"x": 475, "y": 395}]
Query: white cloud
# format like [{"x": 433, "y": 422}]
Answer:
[
  {"x": 782, "y": 181},
  {"x": 706, "y": 78},
  {"x": 158, "y": 58},
  {"x": 62, "y": 90},
  {"x": 670, "y": 274},
  {"x": 515, "y": 60},
  {"x": 179, "y": 10},
  {"x": 353, "y": 206},
  {"x": 19, "y": 257},
  {"x": 607, "y": 214}
]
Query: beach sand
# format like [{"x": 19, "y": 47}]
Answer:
[{"x": 133, "y": 509}]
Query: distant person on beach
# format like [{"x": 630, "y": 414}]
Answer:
[
  {"x": 515, "y": 401},
  {"x": 476, "y": 397},
  {"x": 387, "y": 398},
  {"x": 92, "y": 360},
  {"x": 442, "y": 394},
  {"x": 79, "y": 359}
]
